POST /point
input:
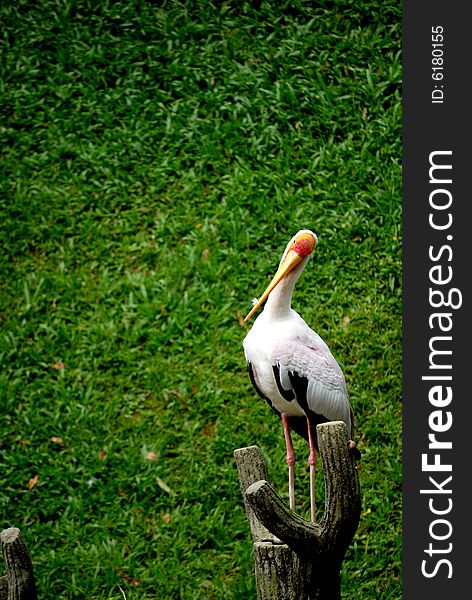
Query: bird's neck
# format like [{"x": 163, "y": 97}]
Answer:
[{"x": 279, "y": 302}]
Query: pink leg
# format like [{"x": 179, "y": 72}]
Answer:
[
  {"x": 312, "y": 463},
  {"x": 290, "y": 461}
]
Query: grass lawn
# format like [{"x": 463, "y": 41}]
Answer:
[{"x": 156, "y": 159}]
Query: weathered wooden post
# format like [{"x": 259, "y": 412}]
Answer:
[
  {"x": 18, "y": 583},
  {"x": 295, "y": 559}
]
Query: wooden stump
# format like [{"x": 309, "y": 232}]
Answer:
[
  {"x": 295, "y": 559},
  {"x": 18, "y": 583}
]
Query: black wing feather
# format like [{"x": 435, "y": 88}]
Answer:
[
  {"x": 298, "y": 391},
  {"x": 300, "y": 386},
  {"x": 288, "y": 395}
]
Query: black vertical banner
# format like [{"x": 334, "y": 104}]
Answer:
[{"x": 437, "y": 267}]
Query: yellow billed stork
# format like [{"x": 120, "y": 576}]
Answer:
[{"x": 290, "y": 366}]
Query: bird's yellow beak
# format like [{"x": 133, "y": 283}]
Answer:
[{"x": 291, "y": 260}]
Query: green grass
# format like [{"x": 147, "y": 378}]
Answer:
[{"x": 156, "y": 158}]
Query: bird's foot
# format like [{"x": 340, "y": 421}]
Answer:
[
  {"x": 351, "y": 445},
  {"x": 272, "y": 539}
]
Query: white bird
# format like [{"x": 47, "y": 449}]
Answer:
[{"x": 291, "y": 367}]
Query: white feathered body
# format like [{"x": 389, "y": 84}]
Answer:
[
  {"x": 295, "y": 348},
  {"x": 291, "y": 366}
]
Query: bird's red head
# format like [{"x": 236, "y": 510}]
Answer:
[
  {"x": 299, "y": 247},
  {"x": 303, "y": 244}
]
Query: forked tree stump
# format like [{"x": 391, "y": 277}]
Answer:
[
  {"x": 294, "y": 558},
  {"x": 18, "y": 583}
]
